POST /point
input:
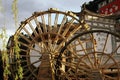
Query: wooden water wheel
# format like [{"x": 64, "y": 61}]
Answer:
[
  {"x": 40, "y": 39},
  {"x": 91, "y": 55}
]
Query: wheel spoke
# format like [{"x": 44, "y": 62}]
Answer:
[
  {"x": 86, "y": 53},
  {"x": 69, "y": 25},
  {"x": 43, "y": 23},
  {"x": 33, "y": 30},
  {"x": 49, "y": 22},
  {"x": 105, "y": 44},
  {"x": 62, "y": 24},
  {"x": 25, "y": 38},
  {"x": 56, "y": 21},
  {"x": 28, "y": 33},
  {"x": 26, "y": 72},
  {"x": 39, "y": 27}
]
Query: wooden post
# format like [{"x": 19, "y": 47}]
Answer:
[{"x": 44, "y": 72}]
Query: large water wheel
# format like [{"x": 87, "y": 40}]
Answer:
[
  {"x": 91, "y": 55},
  {"x": 40, "y": 39}
]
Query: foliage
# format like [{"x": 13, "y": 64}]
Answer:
[
  {"x": 5, "y": 58},
  {"x": 3, "y": 38},
  {"x": 19, "y": 74},
  {"x": 1, "y": 8},
  {"x": 15, "y": 12}
]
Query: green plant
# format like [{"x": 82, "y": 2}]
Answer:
[
  {"x": 5, "y": 59},
  {"x": 15, "y": 12},
  {"x": 19, "y": 74}
]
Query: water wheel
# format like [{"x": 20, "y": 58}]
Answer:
[
  {"x": 91, "y": 55},
  {"x": 40, "y": 39}
]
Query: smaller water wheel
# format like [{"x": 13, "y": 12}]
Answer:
[
  {"x": 91, "y": 55},
  {"x": 40, "y": 39}
]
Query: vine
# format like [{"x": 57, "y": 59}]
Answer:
[
  {"x": 5, "y": 59},
  {"x": 1, "y": 8},
  {"x": 15, "y": 12},
  {"x": 19, "y": 74},
  {"x": 3, "y": 39}
]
